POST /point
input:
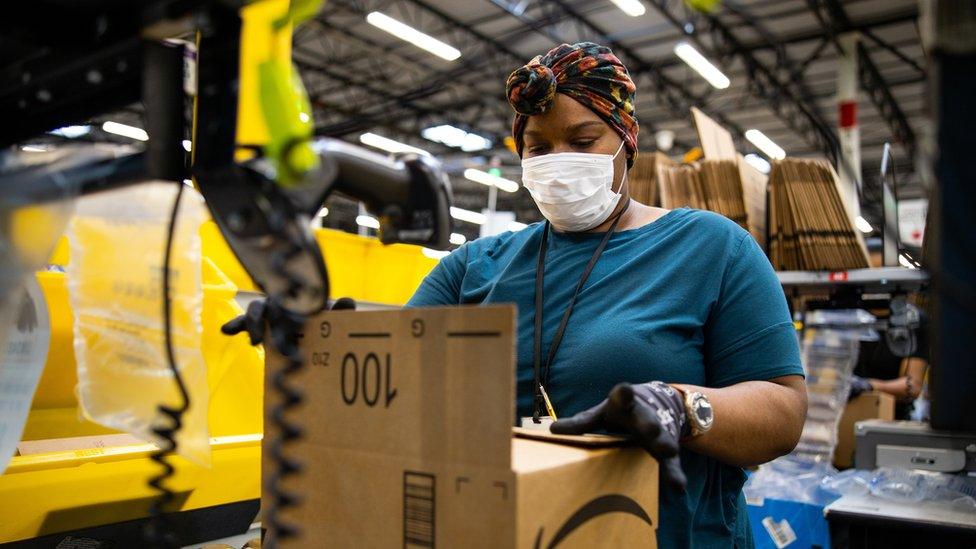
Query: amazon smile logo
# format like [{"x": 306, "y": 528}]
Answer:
[{"x": 603, "y": 505}]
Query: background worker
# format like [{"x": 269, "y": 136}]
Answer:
[{"x": 878, "y": 368}]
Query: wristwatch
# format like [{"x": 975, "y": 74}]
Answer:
[{"x": 698, "y": 411}]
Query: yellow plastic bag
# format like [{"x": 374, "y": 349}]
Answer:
[{"x": 115, "y": 286}]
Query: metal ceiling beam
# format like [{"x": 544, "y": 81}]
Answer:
[
  {"x": 804, "y": 35},
  {"x": 507, "y": 36},
  {"x": 667, "y": 89},
  {"x": 784, "y": 98},
  {"x": 482, "y": 54},
  {"x": 670, "y": 92},
  {"x": 835, "y": 21},
  {"x": 893, "y": 50},
  {"x": 820, "y": 91}
]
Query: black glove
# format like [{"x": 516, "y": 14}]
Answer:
[
  {"x": 654, "y": 413},
  {"x": 858, "y": 385},
  {"x": 252, "y": 321}
]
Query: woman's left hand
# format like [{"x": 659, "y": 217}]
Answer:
[{"x": 652, "y": 412}]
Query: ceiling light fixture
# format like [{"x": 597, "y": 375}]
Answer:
[
  {"x": 126, "y": 130},
  {"x": 71, "y": 132},
  {"x": 863, "y": 225},
  {"x": 486, "y": 178},
  {"x": 765, "y": 144},
  {"x": 701, "y": 65},
  {"x": 758, "y": 162},
  {"x": 367, "y": 221},
  {"x": 456, "y": 137},
  {"x": 632, "y": 8},
  {"x": 407, "y": 33},
  {"x": 388, "y": 145},
  {"x": 467, "y": 215}
]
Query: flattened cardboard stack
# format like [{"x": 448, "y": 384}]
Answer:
[
  {"x": 642, "y": 179},
  {"x": 811, "y": 228},
  {"x": 679, "y": 186},
  {"x": 714, "y": 185},
  {"x": 407, "y": 442},
  {"x": 745, "y": 200},
  {"x": 723, "y": 190}
]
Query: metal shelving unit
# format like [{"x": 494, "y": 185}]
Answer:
[{"x": 879, "y": 280}]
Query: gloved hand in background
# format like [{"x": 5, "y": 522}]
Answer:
[
  {"x": 654, "y": 413},
  {"x": 859, "y": 385},
  {"x": 252, "y": 321}
]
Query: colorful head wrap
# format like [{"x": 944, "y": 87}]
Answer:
[{"x": 587, "y": 72}]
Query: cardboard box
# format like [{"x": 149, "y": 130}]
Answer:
[
  {"x": 408, "y": 442},
  {"x": 870, "y": 405}
]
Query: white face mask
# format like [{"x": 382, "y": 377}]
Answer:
[{"x": 574, "y": 191}]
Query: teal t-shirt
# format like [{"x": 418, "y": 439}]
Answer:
[{"x": 689, "y": 298}]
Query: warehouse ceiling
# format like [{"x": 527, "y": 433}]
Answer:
[{"x": 781, "y": 56}]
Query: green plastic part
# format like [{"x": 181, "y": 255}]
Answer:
[
  {"x": 288, "y": 115},
  {"x": 302, "y": 10}
]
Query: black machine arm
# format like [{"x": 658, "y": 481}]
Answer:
[
  {"x": 411, "y": 194},
  {"x": 267, "y": 225}
]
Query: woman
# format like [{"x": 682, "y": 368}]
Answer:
[{"x": 669, "y": 315}]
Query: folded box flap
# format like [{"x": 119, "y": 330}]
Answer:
[{"x": 436, "y": 384}]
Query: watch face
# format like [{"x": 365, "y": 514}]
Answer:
[{"x": 702, "y": 409}]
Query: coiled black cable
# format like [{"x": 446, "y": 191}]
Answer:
[
  {"x": 158, "y": 531},
  {"x": 285, "y": 328}
]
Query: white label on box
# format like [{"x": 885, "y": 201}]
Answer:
[{"x": 780, "y": 532}]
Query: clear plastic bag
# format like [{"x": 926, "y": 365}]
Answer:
[
  {"x": 829, "y": 347},
  {"x": 28, "y": 234},
  {"x": 792, "y": 479},
  {"x": 852, "y": 482},
  {"x": 911, "y": 485},
  {"x": 117, "y": 244}
]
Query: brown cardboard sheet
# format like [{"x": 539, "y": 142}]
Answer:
[{"x": 716, "y": 141}]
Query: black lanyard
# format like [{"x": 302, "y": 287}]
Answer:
[{"x": 558, "y": 337}]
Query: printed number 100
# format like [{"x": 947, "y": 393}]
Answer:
[{"x": 368, "y": 378}]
